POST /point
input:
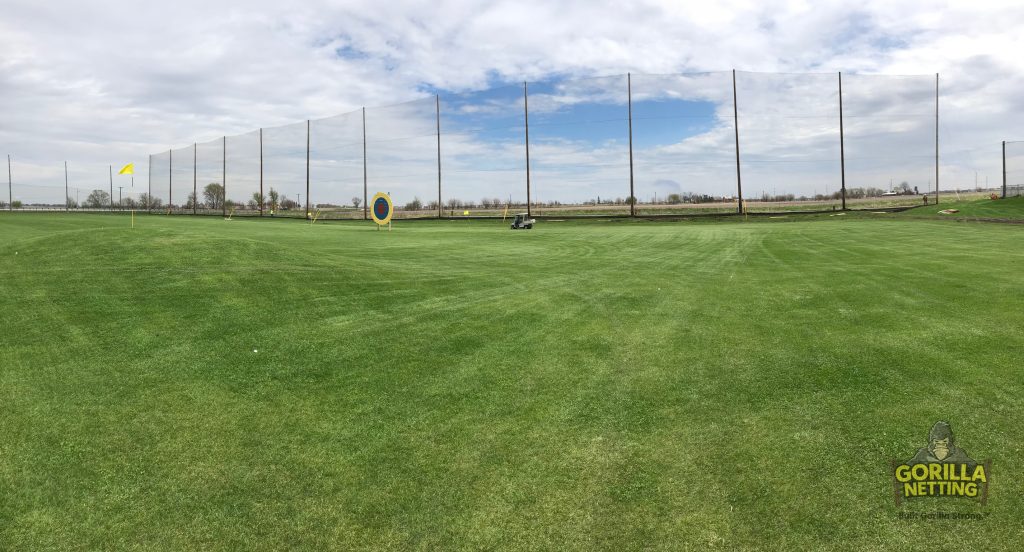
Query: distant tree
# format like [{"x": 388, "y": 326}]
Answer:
[
  {"x": 631, "y": 200},
  {"x": 674, "y": 199},
  {"x": 356, "y": 201},
  {"x": 97, "y": 199},
  {"x": 256, "y": 201},
  {"x": 904, "y": 187},
  {"x": 3, "y": 204},
  {"x": 129, "y": 203},
  {"x": 147, "y": 201},
  {"x": 432, "y": 206},
  {"x": 16, "y": 204},
  {"x": 414, "y": 205},
  {"x": 289, "y": 204},
  {"x": 71, "y": 203},
  {"x": 213, "y": 195},
  {"x": 274, "y": 198},
  {"x": 190, "y": 201}
]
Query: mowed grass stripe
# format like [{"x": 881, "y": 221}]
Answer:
[{"x": 452, "y": 384}]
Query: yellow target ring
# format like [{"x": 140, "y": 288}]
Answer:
[{"x": 381, "y": 208}]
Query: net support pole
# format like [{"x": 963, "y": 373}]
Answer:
[
  {"x": 170, "y": 179},
  {"x": 842, "y": 143},
  {"x": 736, "y": 127},
  {"x": 224, "y": 175},
  {"x": 10, "y": 187},
  {"x": 66, "y": 206},
  {"x": 1004, "y": 169},
  {"x": 195, "y": 179},
  {"x": 437, "y": 110},
  {"x": 936, "y": 138},
  {"x": 149, "y": 186},
  {"x": 110, "y": 169},
  {"x": 309, "y": 214},
  {"x": 366, "y": 207},
  {"x": 526, "y": 121},
  {"x": 629, "y": 104},
  {"x": 261, "y": 176}
]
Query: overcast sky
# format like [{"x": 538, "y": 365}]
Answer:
[{"x": 99, "y": 83}]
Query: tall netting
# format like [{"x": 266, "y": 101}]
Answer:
[
  {"x": 789, "y": 141},
  {"x": 35, "y": 197},
  {"x": 889, "y": 128},
  {"x": 684, "y": 153},
  {"x": 401, "y": 153},
  {"x": 242, "y": 170},
  {"x": 183, "y": 182},
  {"x": 1014, "y": 169},
  {"x": 579, "y": 146},
  {"x": 34, "y": 186},
  {"x": 336, "y": 166},
  {"x": 483, "y": 152},
  {"x": 159, "y": 182},
  {"x": 284, "y": 169},
  {"x": 210, "y": 176}
]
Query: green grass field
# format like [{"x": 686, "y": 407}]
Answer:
[{"x": 255, "y": 384}]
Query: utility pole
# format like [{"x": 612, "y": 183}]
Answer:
[
  {"x": 936, "y": 138},
  {"x": 437, "y": 103},
  {"x": 309, "y": 214},
  {"x": 842, "y": 142},
  {"x": 629, "y": 103},
  {"x": 526, "y": 119},
  {"x": 366, "y": 207},
  {"x": 736, "y": 126}
]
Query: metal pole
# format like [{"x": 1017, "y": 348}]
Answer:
[
  {"x": 736, "y": 126},
  {"x": 195, "y": 180},
  {"x": 149, "y": 188},
  {"x": 1004, "y": 169},
  {"x": 10, "y": 188},
  {"x": 437, "y": 105},
  {"x": 66, "y": 207},
  {"x": 224, "y": 176},
  {"x": 629, "y": 102},
  {"x": 170, "y": 179},
  {"x": 110, "y": 169},
  {"x": 308, "y": 213},
  {"x": 261, "y": 173},
  {"x": 936, "y": 138},
  {"x": 842, "y": 143},
  {"x": 526, "y": 120},
  {"x": 366, "y": 208}
]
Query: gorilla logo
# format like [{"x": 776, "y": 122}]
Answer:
[{"x": 941, "y": 448}]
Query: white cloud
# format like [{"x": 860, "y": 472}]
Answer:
[{"x": 102, "y": 83}]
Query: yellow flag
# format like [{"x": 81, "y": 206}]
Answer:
[
  {"x": 127, "y": 169},
  {"x": 465, "y": 213}
]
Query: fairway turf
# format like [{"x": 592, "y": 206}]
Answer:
[{"x": 614, "y": 385}]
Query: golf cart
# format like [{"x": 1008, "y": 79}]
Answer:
[{"x": 522, "y": 221}]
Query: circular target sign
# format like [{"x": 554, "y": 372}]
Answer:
[{"x": 381, "y": 208}]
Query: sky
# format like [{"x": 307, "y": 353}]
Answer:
[{"x": 106, "y": 83}]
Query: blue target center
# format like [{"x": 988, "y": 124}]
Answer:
[{"x": 380, "y": 207}]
